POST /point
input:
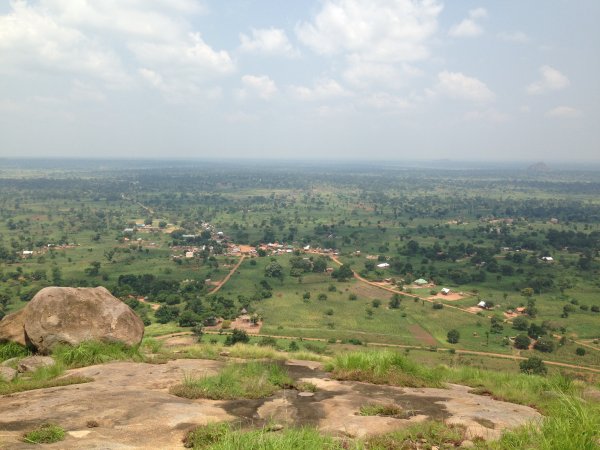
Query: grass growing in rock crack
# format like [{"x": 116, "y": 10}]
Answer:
[
  {"x": 384, "y": 367},
  {"x": 44, "y": 377},
  {"x": 249, "y": 380},
  {"x": 423, "y": 435},
  {"x": 385, "y": 410},
  {"x": 93, "y": 352},
  {"x": 45, "y": 434},
  {"x": 223, "y": 436}
]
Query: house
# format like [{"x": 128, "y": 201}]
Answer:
[
  {"x": 421, "y": 282},
  {"x": 188, "y": 236},
  {"x": 548, "y": 258},
  {"x": 445, "y": 291},
  {"x": 482, "y": 304},
  {"x": 189, "y": 254},
  {"x": 128, "y": 230},
  {"x": 306, "y": 248},
  {"x": 27, "y": 253},
  {"x": 383, "y": 265}
]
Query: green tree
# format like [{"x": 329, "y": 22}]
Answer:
[
  {"x": 274, "y": 270},
  {"x": 237, "y": 336},
  {"x": 395, "y": 301},
  {"x": 533, "y": 366},
  {"x": 453, "y": 336},
  {"x": 544, "y": 344},
  {"x": 520, "y": 323},
  {"x": 522, "y": 342}
]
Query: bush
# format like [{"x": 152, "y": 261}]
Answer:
[
  {"x": 376, "y": 303},
  {"x": 437, "y": 305},
  {"x": 268, "y": 341},
  {"x": 544, "y": 344},
  {"x": 533, "y": 366},
  {"x": 522, "y": 342},
  {"x": 580, "y": 351},
  {"x": 237, "y": 336},
  {"x": 520, "y": 323},
  {"x": 10, "y": 350},
  {"x": 322, "y": 296},
  {"x": 453, "y": 336}
]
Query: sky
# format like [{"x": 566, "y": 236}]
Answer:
[{"x": 496, "y": 80}]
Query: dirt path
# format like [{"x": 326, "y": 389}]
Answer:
[
  {"x": 228, "y": 276},
  {"x": 147, "y": 208}
]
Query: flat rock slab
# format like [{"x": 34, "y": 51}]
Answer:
[
  {"x": 129, "y": 402},
  {"x": 130, "y": 407}
]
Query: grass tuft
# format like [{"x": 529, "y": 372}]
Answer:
[
  {"x": 45, "y": 434},
  {"x": 235, "y": 381},
  {"x": 384, "y": 410}
]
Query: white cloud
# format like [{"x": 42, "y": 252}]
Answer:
[
  {"x": 376, "y": 30},
  {"x": 113, "y": 41},
  {"x": 30, "y": 39},
  {"x": 459, "y": 86},
  {"x": 516, "y": 37},
  {"x": 552, "y": 80},
  {"x": 564, "y": 112},
  {"x": 84, "y": 92},
  {"x": 469, "y": 27},
  {"x": 261, "y": 86},
  {"x": 322, "y": 90},
  {"x": 268, "y": 41},
  {"x": 364, "y": 74}
]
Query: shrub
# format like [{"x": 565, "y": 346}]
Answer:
[
  {"x": 522, "y": 342},
  {"x": 376, "y": 303},
  {"x": 93, "y": 352},
  {"x": 438, "y": 305},
  {"x": 355, "y": 341},
  {"x": 453, "y": 336},
  {"x": 352, "y": 297},
  {"x": 237, "y": 336},
  {"x": 580, "y": 351},
  {"x": 533, "y": 366},
  {"x": 293, "y": 347},
  {"x": 387, "y": 410}
]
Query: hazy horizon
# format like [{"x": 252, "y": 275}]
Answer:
[{"x": 333, "y": 80}]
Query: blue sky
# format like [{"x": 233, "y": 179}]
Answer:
[{"x": 336, "y": 79}]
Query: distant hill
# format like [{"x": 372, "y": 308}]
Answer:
[{"x": 538, "y": 167}]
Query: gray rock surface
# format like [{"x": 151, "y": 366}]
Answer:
[
  {"x": 12, "y": 328},
  {"x": 7, "y": 373},
  {"x": 33, "y": 363}
]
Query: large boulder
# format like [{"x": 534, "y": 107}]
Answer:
[
  {"x": 61, "y": 315},
  {"x": 12, "y": 328}
]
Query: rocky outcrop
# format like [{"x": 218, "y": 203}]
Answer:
[
  {"x": 62, "y": 315},
  {"x": 12, "y": 328},
  {"x": 7, "y": 373},
  {"x": 33, "y": 363}
]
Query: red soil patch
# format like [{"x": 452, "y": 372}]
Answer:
[
  {"x": 241, "y": 323},
  {"x": 421, "y": 335},
  {"x": 450, "y": 297}
]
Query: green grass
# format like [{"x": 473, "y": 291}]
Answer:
[
  {"x": 423, "y": 435},
  {"x": 235, "y": 381},
  {"x": 223, "y": 436},
  {"x": 9, "y": 350},
  {"x": 45, "y": 434},
  {"x": 384, "y": 367},
  {"x": 571, "y": 424},
  {"x": 93, "y": 352}
]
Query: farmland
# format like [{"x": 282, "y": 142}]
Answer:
[{"x": 164, "y": 236}]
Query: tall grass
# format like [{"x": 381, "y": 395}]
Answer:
[
  {"x": 249, "y": 380},
  {"x": 571, "y": 424},
  {"x": 390, "y": 367},
  {"x": 384, "y": 367},
  {"x": 10, "y": 350},
  {"x": 94, "y": 352}
]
